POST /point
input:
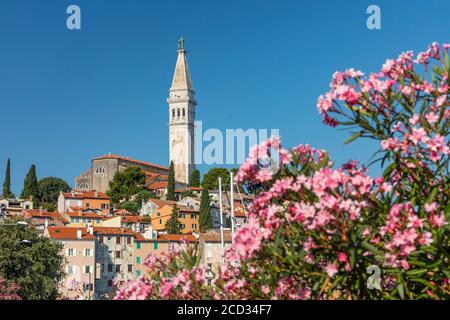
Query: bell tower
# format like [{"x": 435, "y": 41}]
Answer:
[{"x": 182, "y": 105}]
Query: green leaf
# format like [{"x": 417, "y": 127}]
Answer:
[{"x": 353, "y": 137}]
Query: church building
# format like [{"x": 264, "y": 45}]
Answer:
[{"x": 182, "y": 105}]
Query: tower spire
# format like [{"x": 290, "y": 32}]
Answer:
[{"x": 182, "y": 77}]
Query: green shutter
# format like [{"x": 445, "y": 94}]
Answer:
[
  {"x": 138, "y": 245},
  {"x": 155, "y": 245},
  {"x": 138, "y": 260},
  {"x": 138, "y": 273}
]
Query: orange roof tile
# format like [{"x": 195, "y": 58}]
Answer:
[
  {"x": 177, "y": 237},
  {"x": 161, "y": 203},
  {"x": 68, "y": 233},
  {"x": 113, "y": 231},
  {"x": 158, "y": 185}
]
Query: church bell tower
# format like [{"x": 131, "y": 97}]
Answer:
[{"x": 182, "y": 105}]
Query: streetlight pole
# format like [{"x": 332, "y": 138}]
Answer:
[{"x": 221, "y": 219}]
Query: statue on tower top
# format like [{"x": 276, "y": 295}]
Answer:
[{"x": 181, "y": 44}]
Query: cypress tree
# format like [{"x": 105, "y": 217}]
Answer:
[
  {"x": 30, "y": 185},
  {"x": 205, "y": 218},
  {"x": 194, "y": 180},
  {"x": 173, "y": 224},
  {"x": 7, "y": 184},
  {"x": 171, "y": 183}
]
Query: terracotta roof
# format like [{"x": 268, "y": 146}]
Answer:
[
  {"x": 215, "y": 237},
  {"x": 113, "y": 231},
  {"x": 182, "y": 208},
  {"x": 177, "y": 237},
  {"x": 195, "y": 188},
  {"x": 85, "y": 195},
  {"x": 84, "y": 215},
  {"x": 161, "y": 203},
  {"x": 115, "y": 156},
  {"x": 158, "y": 185},
  {"x": 37, "y": 213},
  {"x": 68, "y": 233},
  {"x": 132, "y": 219}
]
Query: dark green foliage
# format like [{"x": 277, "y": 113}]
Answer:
[
  {"x": 131, "y": 206},
  {"x": 126, "y": 184},
  {"x": 194, "y": 180},
  {"x": 171, "y": 183},
  {"x": 205, "y": 218},
  {"x": 36, "y": 265},
  {"x": 173, "y": 224},
  {"x": 49, "y": 190},
  {"x": 31, "y": 186},
  {"x": 211, "y": 179},
  {"x": 7, "y": 183}
]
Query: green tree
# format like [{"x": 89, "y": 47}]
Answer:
[
  {"x": 194, "y": 180},
  {"x": 131, "y": 206},
  {"x": 205, "y": 218},
  {"x": 31, "y": 186},
  {"x": 125, "y": 184},
  {"x": 171, "y": 183},
  {"x": 173, "y": 224},
  {"x": 143, "y": 196},
  {"x": 49, "y": 190},
  {"x": 33, "y": 262},
  {"x": 211, "y": 181},
  {"x": 7, "y": 184}
]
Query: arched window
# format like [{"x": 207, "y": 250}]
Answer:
[
  {"x": 83, "y": 186},
  {"x": 178, "y": 113},
  {"x": 100, "y": 170},
  {"x": 173, "y": 113},
  {"x": 184, "y": 113}
]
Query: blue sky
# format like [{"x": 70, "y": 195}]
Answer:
[{"x": 68, "y": 96}]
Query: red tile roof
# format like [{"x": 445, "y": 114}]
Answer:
[
  {"x": 115, "y": 156},
  {"x": 131, "y": 219},
  {"x": 84, "y": 215},
  {"x": 158, "y": 185},
  {"x": 176, "y": 237},
  {"x": 161, "y": 203},
  {"x": 113, "y": 231},
  {"x": 68, "y": 233}
]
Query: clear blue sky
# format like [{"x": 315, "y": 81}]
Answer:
[{"x": 68, "y": 96}]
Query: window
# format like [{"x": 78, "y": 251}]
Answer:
[
  {"x": 184, "y": 113},
  {"x": 110, "y": 267},
  {"x": 100, "y": 170},
  {"x": 70, "y": 269},
  {"x": 84, "y": 220},
  {"x": 83, "y": 186},
  {"x": 117, "y": 240},
  {"x": 130, "y": 268},
  {"x": 178, "y": 113},
  {"x": 128, "y": 240},
  {"x": 194, "y": 226},
  {"x": 173, "y": 113},
  {"x": 71, "y": 252},
  {"x": 158, "y": 214},
  {"x": 182, "y": 226},
  {"x": 160, "y": 221},
  {"x": 155, "y": 245},
  {"x": 138, "y": 245},
  {"x": 88, "y": 204},
  {"x": 110, "y": 283},
  {"x": 87, "y": 252},
  {"x": 100, "y": 239},
  {"x": 88, "y": 286},
  {"x": 117, "y": 267},
  {"x": 181, "y": 215},
  {"x": 138, "y": 260},
  {"x": 87, "y": 269},
  {"x": 97, "y": 220},
  {"x": 192, "y": 215},
  {"x": 118, "y": 254},
  {"x": 104, "y": 206}
]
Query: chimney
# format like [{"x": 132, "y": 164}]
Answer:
[
  {"x": 79, "y": 234},
  {"x": 96, "y": 194},
  {"x": 90, "y": 230}
]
